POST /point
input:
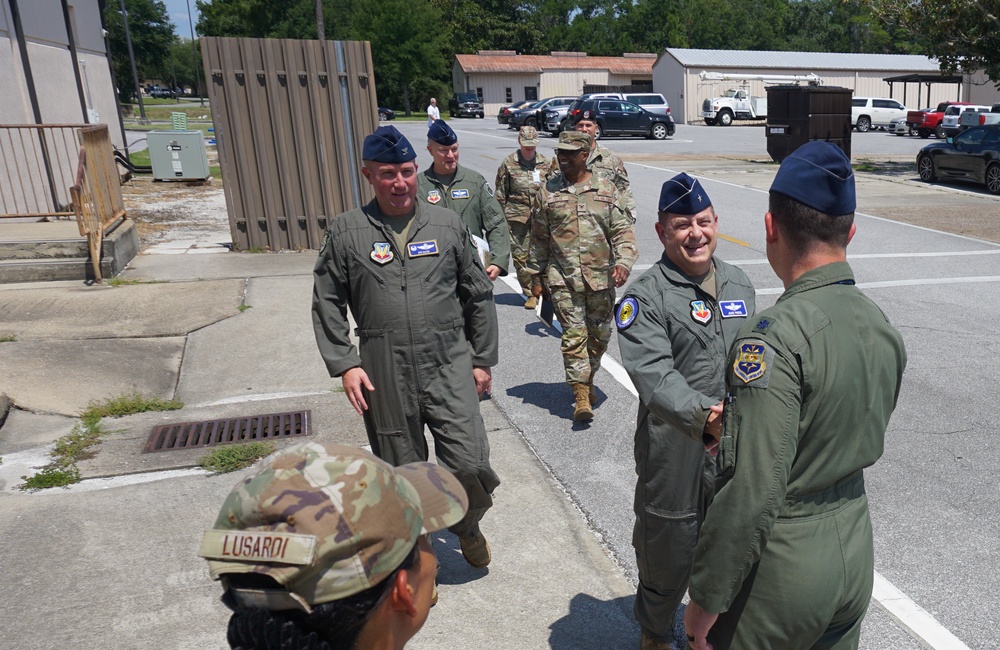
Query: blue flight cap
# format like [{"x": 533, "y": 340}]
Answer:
[
  {"x": 387, "y": 145},
  {"x": 441, "y": 133},
  {"x": 683, "y": 195},
  {"x": 819, "y": 175}
]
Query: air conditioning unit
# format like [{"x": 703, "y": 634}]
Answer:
[{"x": 177, "y": 155}]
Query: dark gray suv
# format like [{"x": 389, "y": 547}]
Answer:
[{"x": 463, "y": 104}]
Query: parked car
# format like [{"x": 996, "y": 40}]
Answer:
[
  {"x": 161, "y": 92},
  {"x": 385, "y": 114},
  {"x": 970, "y": 119},
  {"x": 617, "y": 117},
  {"x": 931, "y": 120},
  {"x": 868, "y": 112},
  {"x": 463, "y": 104},
  {"x": 652, "y": 102},
  {"x": 950, "y": 122},
  {"x": 971, "y": 155},
  {"x": 908, "y": 125},
  {"x": 517, "y": 118},
  {"x": 522, "y": 118},
  {"x": 504, "y": 115}
]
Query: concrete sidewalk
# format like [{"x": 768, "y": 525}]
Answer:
[{"x": 111, "y": 561}]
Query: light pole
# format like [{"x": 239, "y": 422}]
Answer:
[
  {"x": 320, "y": 30},
  {"x": 131, "y": 59},
  {"x": 194, "y": 57}
]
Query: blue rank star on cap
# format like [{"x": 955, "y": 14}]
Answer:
[
  {"x": 683, "y": 195},
  {"x": 441, "y": 133},
  {"x": 819, "y": 175},
  {"x": 387, "y": 145}
]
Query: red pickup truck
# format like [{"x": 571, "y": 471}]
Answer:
[{"x": 930, "y": 122}]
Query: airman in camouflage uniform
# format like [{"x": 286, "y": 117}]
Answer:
[
  {"x": 582, "y": 247},
  {"x": 603, "y": 161},
  {"x": 518, "y": 179},
  {"x": 327, "y": 522}
]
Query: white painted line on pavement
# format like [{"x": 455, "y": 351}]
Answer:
[
  {"x": 239, "y": 399},
  {"x": 909, "y": 615}
]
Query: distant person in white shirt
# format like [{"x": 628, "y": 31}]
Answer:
[{"x": 432, "y": 112}]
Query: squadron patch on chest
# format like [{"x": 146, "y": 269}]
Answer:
[
  {"x": 733, "y": 308},
  {"x": 753, "y": 363},
  {"x": 460, "y": 194},
  {"x": 422, "y": 248},
  {"x": 700, "y": 312},
  {"x": 626, "y": 313},
  {"x": 433, "y": 197},
  {"x": 381, "y": 252}
]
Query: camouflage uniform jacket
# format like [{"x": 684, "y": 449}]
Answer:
[
  {"x": 579, "y": 233},
  {"x": 471, "y": 197},
  {"x": 603, "y": 161},
  {"x": 517, "y": 185}
]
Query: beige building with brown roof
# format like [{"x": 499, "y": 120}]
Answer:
[{"x": 501, "y": 77}]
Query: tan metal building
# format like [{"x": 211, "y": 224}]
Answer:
[
  {"x": 501, "y": 77},
  {"x": 675, "y": 76}
]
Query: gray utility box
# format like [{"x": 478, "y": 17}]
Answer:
[{"x": 178, "y": 155}]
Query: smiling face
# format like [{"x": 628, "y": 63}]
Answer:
[
  {"x": 445, "y": 157},
  {"x": 689, "y": 241},
  {"x": 395, "y": 186}
]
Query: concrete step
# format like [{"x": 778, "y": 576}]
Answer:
[
  {"x": 43, "y": 249},
  {"x": 50, "y": 270}
]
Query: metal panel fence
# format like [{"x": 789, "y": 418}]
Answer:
[
  {"x": 290, "y": 120},
  {"x": 37, "y": 168}
]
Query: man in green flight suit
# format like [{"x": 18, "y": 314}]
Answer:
[
  {"x": 449, "y": 185},
  {"x": 582, "y": 247},
  {"x": 426, "y": 324},
  {"x": 675, "y": 326},
  {"x": 785, "y": 558}
]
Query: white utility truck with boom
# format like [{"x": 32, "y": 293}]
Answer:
[{"x": 737, "y": 103}]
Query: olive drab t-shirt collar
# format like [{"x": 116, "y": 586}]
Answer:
[
  {"x": 677, "y": 276},
  {"x": 527, "y": 164},
  {"x": 435, "y": 179},
  {"x": 833, "y": 273},
  {"x": 416, "y": 220}
]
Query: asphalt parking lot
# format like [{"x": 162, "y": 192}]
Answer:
[{"x": 933, "y": 494}]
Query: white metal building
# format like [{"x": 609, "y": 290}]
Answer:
[
  {"x": 54, "y": 67},
  {"x": 675, "y": 76},
  {"x": 500, "y": 77}
]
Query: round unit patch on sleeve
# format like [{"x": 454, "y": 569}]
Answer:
[
  {"x": 626, "y": 313},
  {"x": 753, "y": 362}
]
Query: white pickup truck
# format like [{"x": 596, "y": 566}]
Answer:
[{"x": 977, "y": 118}]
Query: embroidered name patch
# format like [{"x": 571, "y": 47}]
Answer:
[
  {"x": 258, "y": 546},
  {"x": 627, "y": 311},
  {"x": 381, "y": 252},
  {"x": 733, "y": 308},
  {"x": 433, "y": 197},
  {"x": 460, "y": 194},
  {"x": 752, "y": 362},
  {"x": 700, "y": 312},
  {"x": 422, "y": 248}
]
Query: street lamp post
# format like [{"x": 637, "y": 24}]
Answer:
[
  {"x": 194, "y": 57},
  {"x": 131, "y": 60}
]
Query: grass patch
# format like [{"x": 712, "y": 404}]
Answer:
[
  {"x": 123, "y": 405},
  {"x": 243, "y": 308},
  {"x": 233, "y": 457},
  {"x": 7, "y": 338},
  {"x": 255, "y": 249},
  {"x": 75, "y": 446},
  {"x": 167, "y": 126},
  {"x": 215, "y": 171}
]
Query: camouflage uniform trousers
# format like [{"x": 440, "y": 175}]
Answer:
[
  {"x": 586, "y": 321},
  {"x": 520, "y": 239}
]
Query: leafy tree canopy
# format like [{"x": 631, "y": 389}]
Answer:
[{"x": 152, "y": 38}]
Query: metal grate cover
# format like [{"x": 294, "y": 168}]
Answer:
[{"x": 228, "y": 431}]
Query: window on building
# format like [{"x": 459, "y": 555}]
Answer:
[
  {"x": 507, "y": 96},
  {"x": 531, "y": 93},
  {"x": 479, "y": 94}
]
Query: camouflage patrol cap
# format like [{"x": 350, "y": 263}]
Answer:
[
  {"x": 575, "y": 141},
  {"x": 527, "y": 136},
  {"x": 326, "y": 522}
]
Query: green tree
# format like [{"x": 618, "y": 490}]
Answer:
[
  {"x": 152, "y": 36},
  {"x": 964, "y": 35}
]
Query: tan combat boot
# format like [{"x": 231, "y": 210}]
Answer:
[
  {"x": 593, "y": 394},
  {"x": 649, "y": 642},
  {"x": 475, "y": 549},
  {"x": 582, "y": 412},
  {"x": 531, "y": 302}
]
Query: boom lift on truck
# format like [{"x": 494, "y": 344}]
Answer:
[{"x": 737, "y": 103}]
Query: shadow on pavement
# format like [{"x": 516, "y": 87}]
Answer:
[
  {"x": 509, "y": 299},
  {"x": 452, "y": 567},
  {"x": 593, "y": 623},
  {"x": 555, "y": 398}
]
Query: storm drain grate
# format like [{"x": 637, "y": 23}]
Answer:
[{"x": 208, "y": 433}]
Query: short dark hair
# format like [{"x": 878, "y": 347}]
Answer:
[
  {"x": 330, "y": 626},
  {"x": 805, "y": 226}
]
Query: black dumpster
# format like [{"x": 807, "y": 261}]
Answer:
[{"x": 798, "y": 114}]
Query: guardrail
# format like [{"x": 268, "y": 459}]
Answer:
[{"x": 96, "y": 192}]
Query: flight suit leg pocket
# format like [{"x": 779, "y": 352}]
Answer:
[
  {"x": 386, "y": 414},
  {"x": 667, "y": 542}
]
